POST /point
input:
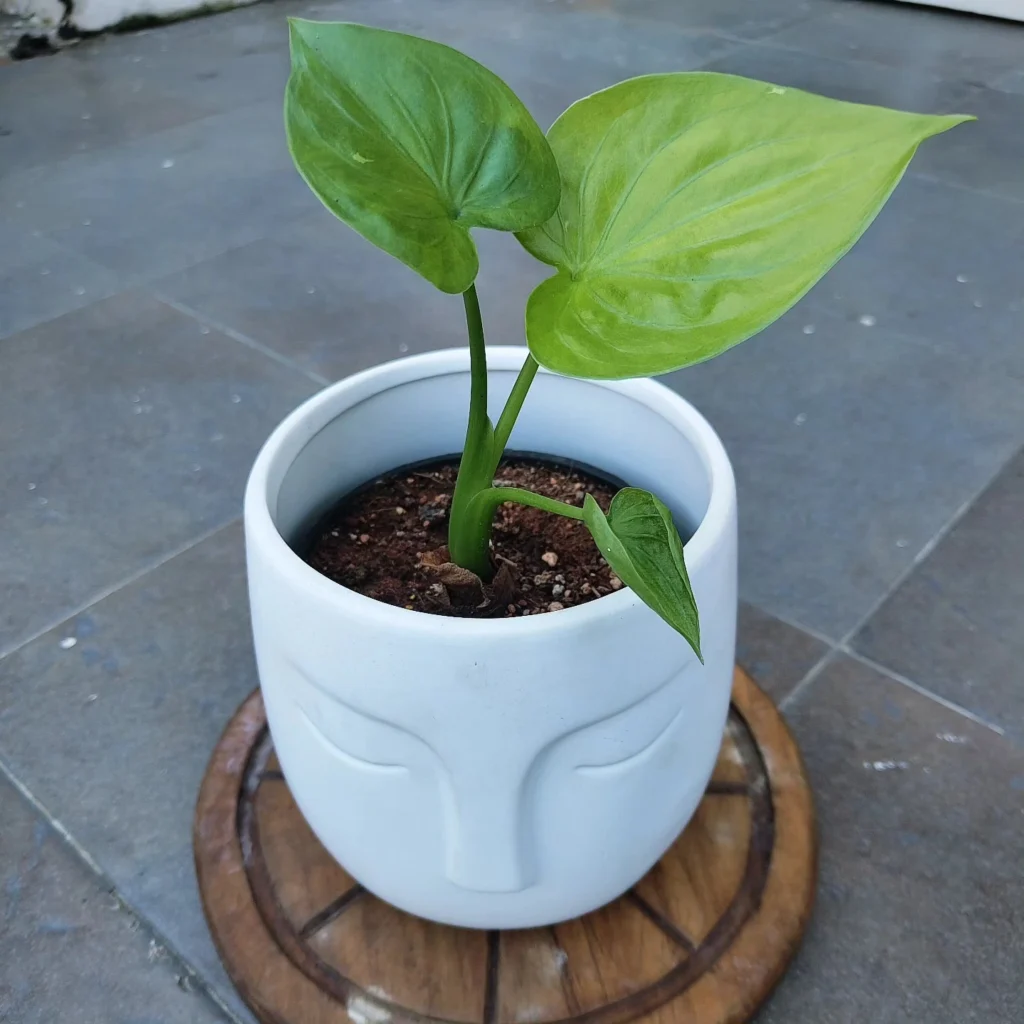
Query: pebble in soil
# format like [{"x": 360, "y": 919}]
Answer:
[{"x": 388, "y": 542}]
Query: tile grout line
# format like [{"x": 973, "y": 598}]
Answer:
[
  {"x": 115, "y": 148},
  {"x": 79, "y": 851},
  {"x": 960, "y": 187},
  {"x": 844, "y": 645},
  {"x": 809, "y": 676},
  {"x": 896, "y": 677},
  {"x": 794, "y": 624},
  {"x": 928, "y": 547},
  {"x": 106, "y": 592},
  {"x": 832, "y": 646},
  {"x": 235, "y": 335}
]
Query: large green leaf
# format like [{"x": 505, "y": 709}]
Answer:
[
  {"x": 641, "y": 544},
  {"x": 412, "y": 144},
  {"x": 697, "y": 208}
]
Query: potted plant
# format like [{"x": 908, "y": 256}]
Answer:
[{"x": 493, "y": 742}]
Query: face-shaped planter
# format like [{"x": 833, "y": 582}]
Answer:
[{"x": 491, "y": 773}]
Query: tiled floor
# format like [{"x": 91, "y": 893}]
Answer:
[{"x": 169, "y": 289}]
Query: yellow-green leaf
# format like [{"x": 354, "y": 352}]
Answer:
[
  {"x": 697, "y": 208},
  {"x": 412, "y": 144}
]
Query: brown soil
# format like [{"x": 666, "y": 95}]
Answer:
[{"x": 388, "y": 541}]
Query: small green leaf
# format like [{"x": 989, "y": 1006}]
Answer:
[
  {"x": 412, "y": 144},
  {"x": 642, "y": 545},
  {"x": 696, "y": 209}
]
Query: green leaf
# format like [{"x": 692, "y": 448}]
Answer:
[
  {"x": 696, "y": 209},
  {"x": 641, "y": 544},
  {"x": 412, "y": 144}
]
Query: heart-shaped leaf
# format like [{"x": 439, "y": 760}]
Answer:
[
  {"x": 643, "y": 547},
  {"x": 696, "y": 209},
  {"x": 412, "y": 143}
]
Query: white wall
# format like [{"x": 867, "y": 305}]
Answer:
[
  {"x": 94, "y": 15},
  {"x": 1013, "y": 9}
]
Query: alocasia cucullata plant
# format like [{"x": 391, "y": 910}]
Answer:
[{"x": 682, "y": 213}]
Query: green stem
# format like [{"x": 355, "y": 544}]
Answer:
[
  {"x": 485, "y": 504},
  {"x": 467, "y": 544},
  {"x": 479, "y": 426},
  {"x": 479, "y": 511},
  {"x": 509, "y": 414},
  {"x": 475, "y": 498}
]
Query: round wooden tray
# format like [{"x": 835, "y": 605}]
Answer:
[{"x": 702, "y": 939}]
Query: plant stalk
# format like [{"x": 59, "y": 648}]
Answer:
[
  {"x": 476, "y": 499},
  {"x": 468, "y": 545},
  {"x": 478, "y": 515},
  {"x": 486, "y": 503},
  {"x": 510, "y": 413},
  {"x": 479, "y": 425}
]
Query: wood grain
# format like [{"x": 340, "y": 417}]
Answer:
[
  {"x": 307, "y": 879},
  {"x": 731, "y": 768},
  {"x": 696, "y": 881},
  {"x": 431, "y": 969},
  {"x": 264, "y": 975},
  {"x": 582, "y": 965},
  {"x": 702, "y": 939}
]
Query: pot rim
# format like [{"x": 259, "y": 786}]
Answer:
[{"x": 297, "y": 429}]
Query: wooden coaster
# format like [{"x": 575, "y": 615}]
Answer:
[{"x": 702, "y": 939}]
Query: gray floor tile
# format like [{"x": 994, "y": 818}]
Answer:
[
  {"x": 169, "y": 200},
  {"x": 596, "y": 21},
  {"x": 40, "y": 279},
  {"x": 906, "y": 274},
  {"x": 586, "y": 51},
  {"x": 744, "y": 19},
  {"x": 67, "y": 105},
  {"x": 549, "y": 70},
  {"x": 67, "y": 952},
  {"x": 324, "y": 296},
  {"x": 551, "y": 78},
  {"x": 988, "y": 154},
  {"x": 920, "y": 887},
  {"x": 855, "y": 81},
  {"x": 238, "y": 60},
  {"x": 954, "y": 625},
  {"x": 127, "y": 432},
  {"x": 982, "y": 155},
  {"x": 551, "y": 54},
  {"x": 775, "y": 653},
  {"x": 1012, "y": 81},
  {"x": 158, "y": 669},
  {"x": 939, "y": 42},
  {"x": 853, "y": 446}
]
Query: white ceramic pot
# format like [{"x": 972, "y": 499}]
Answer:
[{"x": 493, "y": 773}]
